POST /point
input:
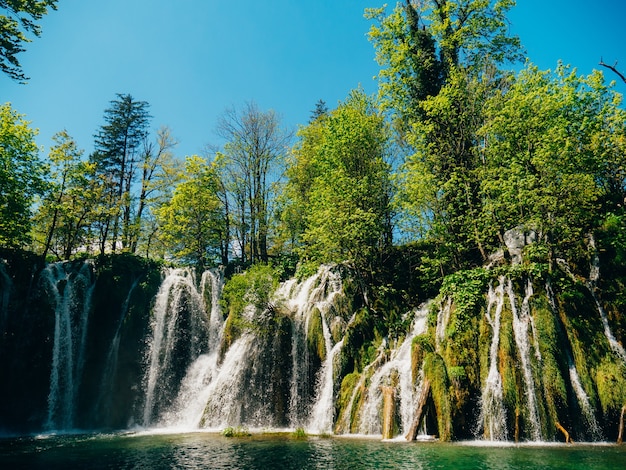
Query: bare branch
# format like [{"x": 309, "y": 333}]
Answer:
[{"x": 614, "y": 69}]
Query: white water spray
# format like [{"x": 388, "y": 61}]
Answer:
[
  {"x": 521, "y": 323},
  {"x": 70, "y": 292},
  {"x": 492, "y": 414}
]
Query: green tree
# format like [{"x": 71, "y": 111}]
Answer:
[
  {"x": 555, "y": 144},
  {"x": 440, "y": 180},
  {"x": 21, "y": 177},
  {"x": 19, "y": 18},
  {"x": 64, "y": 213},
  {"x": 419, "y": 44},
  {"x": 118, "y": 150},
  {"x": 192, "y": 221},
  {"x": 159, "y": 170},
  {"x": 340, "y": 177},
  {"x": 439, "y": 63}
]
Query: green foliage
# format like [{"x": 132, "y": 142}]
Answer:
[
  {"x": 235, "y": 432},
  {"x": 435, "y": 372},
  {"x": 467, "y": 288},
  {"x": 299, "y": 433},
  {"x": 21, "y": 176},
  {"x": 341, "y": 182},
  {"x": 315, "y": 335},
  {"x": 421, "y": 345},
  {"x": 611, "y": 384},
  {"x": 556, "y": 152},
  {"x": 251, "y": 289},
  {"x": 192, "y": 221},
  {"x": 117, "y": 145},
  {"x": 20, "y": 19},
  {"x": 66, "y": 209}
]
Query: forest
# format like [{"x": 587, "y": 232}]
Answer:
[{"x": 422, "y": 189}]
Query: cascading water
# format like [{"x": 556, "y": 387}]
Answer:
[
  {"x": 314, "y": 296},
  {"x": 492, "y": 414},
  {"x": 589, "y": 417},
  {"x": 110, "y": 365},
  {"x": 594, "y": 276},
  {"x": 397, "y": 373},
  {"x": 192, "y": 398},
  {"x": 179, "y": 336},
  {"x": 521, "y": 323},
  {"x": 591, "y": 424},
  {"x": 70, "y": 294}
]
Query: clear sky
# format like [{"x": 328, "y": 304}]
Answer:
[{"x": 192, "y": 59}]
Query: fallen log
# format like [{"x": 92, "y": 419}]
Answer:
[
  {"x": 412, "y": 434},
  {"x": 568, "y": 439},
  {"x": 389, "y": 410},
  {"x": 620, "y": 435}
]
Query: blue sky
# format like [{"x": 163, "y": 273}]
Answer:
[{"x": 192, "y": 59}]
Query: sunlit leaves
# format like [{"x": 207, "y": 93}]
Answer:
[{"x": 21, "y": 176}]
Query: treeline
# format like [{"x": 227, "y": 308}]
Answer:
[{"x": 453, "y": 151}]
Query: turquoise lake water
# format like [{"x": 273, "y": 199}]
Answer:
[{"x": 212, "y": 451}]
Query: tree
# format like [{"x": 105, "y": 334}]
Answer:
[
  {"x": 441, "y": 178},
  {"x": 192, "y": 221},
  {"x": 65, "y": 209},
  {"x": 118, "y": 147},
  {"x": 21, "y": 177},
  {"x": 253, "y": 156},
  {"x": 342, "y": 177},
  {"x": 439, "y": 63},
  {"x": 20, "y": 19},
  {"x": 419, "y": 43},
  {"x": 556, "y": 154},
  {"x": 159, "y": 171},
  {"x": 320, "y": 110}
]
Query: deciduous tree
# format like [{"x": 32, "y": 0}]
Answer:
[
  {"x": 19, "y": 19},
  {"x": 21, "y": 177}
]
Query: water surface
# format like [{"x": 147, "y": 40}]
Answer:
[{"x": 212, "y": 451}]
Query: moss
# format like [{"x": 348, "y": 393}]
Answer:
[
  {"x": 420, "y": 346},
  {"x": 553, "y": 363},
  {"x": 346, "y": 391},
  {"x": 435, "y": 372},
  {"x": 611, "y": 383},
  {"x": 315, "y": 335}
]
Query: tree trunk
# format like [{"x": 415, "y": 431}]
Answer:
[
  {"x": 620, "y": 435},
  {"x": 412, "y": 434},
  {"x": 389, "y": 411},
  {"x": 568, "y": 439}
]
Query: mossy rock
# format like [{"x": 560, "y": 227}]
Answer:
[
  {"x": 420, "y": 346},
  {"x": 346, "y": 391},
  {"x": 435, "y": 372},
  {"x": 315, "y": 335},
  {"x": 611, "y": 383}
]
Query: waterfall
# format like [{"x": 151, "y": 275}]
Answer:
[
  {"x": 70, "y": 294},
  {"x": 179, "y": 336},
  {"x": 594, "y": 276},
  {"x": 589, "y": 417},
  {"x": 492, "y": 414},
  {"x": 396, "y": 372},
  {"x": 110, "y": 366},
  {"x": 521, "y": 322},
  {"x": 315, "y": 295},
  {"x": 187, "y": 409}
]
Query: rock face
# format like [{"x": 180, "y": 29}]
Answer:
[{"x": 516, "y": 239}]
